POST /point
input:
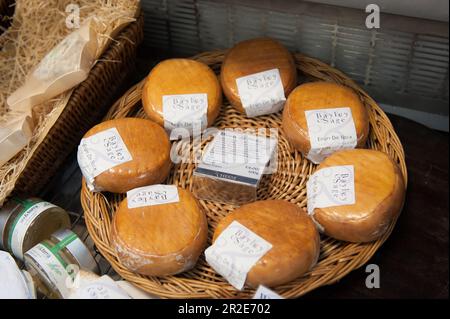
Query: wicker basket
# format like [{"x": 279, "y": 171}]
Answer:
[
  {"x": 289, "y": 183},
  {"x": 87, "y": 104}
]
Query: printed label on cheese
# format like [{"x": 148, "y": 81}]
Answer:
[
  {"x": 265, "y": 293},
  {"x": 235, "y": 252},
  {"x": 187, "y": 111},
  {"x": 238, "y": 156},
  {"x": 51, "y": 268},
  {"x": 152, "y": 195},
  {"x": 102, "y": 288},
  {"x": 330, "y": 130},
  {"x": 20, "y": 226},
  {"x": 100, "y": 152},
  {"x": 261, "y": 93},
  {"x": 331, "y": 186}
]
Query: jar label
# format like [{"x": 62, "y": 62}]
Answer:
[
  {"x": 152, "y": 195},
  {"x": 331, "y": 186},
  {"x": 100, "y": 152},
  {"x": 239, "y": 157},
  {"x": 52, "y": 267},
  {"x": 235, "y": 252},
  {"x": 265, "y": 293},
  {"x": 261, "y": 93},
  {"x": 187, "y": 111},
  {"x": 330, "y": 130},
  {"x": 22, "y": 222}
]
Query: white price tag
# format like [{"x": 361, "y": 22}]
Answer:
[
  {"x": 238, "y": 156},
  {"x": 100, "y": 152},
  {"x": 102, "y": 288},
  {"x": 187, "y": 111},
  {"x": 261, "y": 93},
  {"x": 21, "y": 224},
  {"x": 152, "y": 195},
  {"x": 235, "y": 252},
  {"x": 330, "y": 130},
  {"x": 265, "y": 293},
  {"x": 331, "y": 186}
]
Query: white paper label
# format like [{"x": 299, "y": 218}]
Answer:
[
  {"x": 187, "y": 111},
  {"x": 331, "y": 186},
  {"x": 102, "y": 288},
  {"x": 237, "y": 156},
  {"x": 152, "y": 195},
  {"x": 100, "y": 152},
  {"x": 261, "y": 93},
  {"x": 235, "y": 252},
  {"x": 51, "y": 268},
  {"x": 330, "y": 130},
  {"x": 20, "y": 227},
  {"x": 265, "y": 293}
]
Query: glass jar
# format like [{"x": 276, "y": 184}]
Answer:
[
  {"x": 54, "y": 263},
  {"x": 26, "y": 222}
]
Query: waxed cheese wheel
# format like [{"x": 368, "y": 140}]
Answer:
[
  {"x": 254, "y": 56},
  {"x": 160, "y": 240},
  {"x": 318, "y": 96},
  {"x": 180, "y": 76},
  {"x": 379, "y": 195},
  {"x": 149, "y": 147},
  {"x": 291, "y": 232}
]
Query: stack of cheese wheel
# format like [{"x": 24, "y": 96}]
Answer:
[
  {"x": 291, "y": 232},
  {"x": 160, "y": 239},
  {"x": 323, "y": 97},
  {"x": 181, "y": 78},
  {"x": 255, "y": 56},
  {"x": 148, "y": 146},
  {"x": 379, "y": 192}
]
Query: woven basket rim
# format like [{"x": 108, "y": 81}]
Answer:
[{"x": 199, "y": 283}]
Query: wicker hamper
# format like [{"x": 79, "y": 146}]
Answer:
[
  {"x": 87, "y": 104},
  {"x": 289, "y": 183}
]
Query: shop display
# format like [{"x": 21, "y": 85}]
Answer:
[
  {"x": 14, "y": 283},
  {"x": 182, "y": 93},
  {"x": 257, "y": 75},
  {"x": 159, "y": 230},
  {"x": 219, "y": 187},
  {"x": 265, "y": 243},
  {"x": 54, "y": 262},
  {"x": 355, "y": 195},
  {"x": 320, "y": 118},
  {"x": 232, "y": 167},
  {"x": 26, "y": 222},
  {"x": 123, "y": 154}
]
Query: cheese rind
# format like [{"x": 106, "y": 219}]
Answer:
[
  {"x": 160, "y": 240},
  {"x": 291, "y": 232},
  {"x": 379, "y": 195},
  {"x": 255, "y": 56},
  {"x": 180, "y": 77},
  {"x": 149, "y": 147},
  {"x": 321, "y": 96}
]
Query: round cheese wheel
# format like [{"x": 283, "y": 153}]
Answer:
[
  {"x": 379, "y": 196},
  {"x": 254, "y": 56},
  {"x": 160, "y": 240},
  {"x": 149, "y": 147},
  {"x": 321, "y": 95},
  {"x": 180, "y": 76},
  {"x": 293, "y": 235}
]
